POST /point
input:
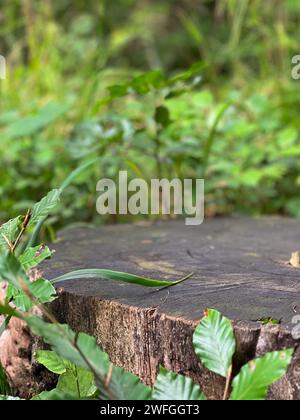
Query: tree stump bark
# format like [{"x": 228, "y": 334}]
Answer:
[{"x": 240, "y": 268}]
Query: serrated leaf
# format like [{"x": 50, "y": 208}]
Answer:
[
  {"x": 32, "y": 257},
  {"x": 125, "y": 386},
  {"x": 76, "y": 381},
  {"x": 170, "y": 386},
  {"x": 80, "y": 349},
  {"x": 41, "y": 289},
  {"x": 254, "y": 379},
  {"x": 73, "y": 380},
  {"x": 12, "y": 271},
  {"x": 9, "y": 230},
  {"x": 51, "y": 361},
  {"x": 55, "y": 394},
  {"x": 214, "y": 342},
  {"x": 43, "y": 208}
]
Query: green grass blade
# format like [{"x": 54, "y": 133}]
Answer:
[
  {"x": 4, "y": 386},
  {"x": 212, "y": 136},
  {"x": 4, "y": 325},
  {"x": 35, "y": 234},
  {"x": 115, "y": 275},
  {"x": 77, "y": 172},
  {"x": 33, "y": 238}
]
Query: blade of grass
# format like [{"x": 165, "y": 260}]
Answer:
[
  {"x": 212, "y": 136},
  {"x": 34, "y": 237},
  {"x": 77, "y": 172},
  {"x": 4, "y": 324},
  {"x": 116, "y": 275}
]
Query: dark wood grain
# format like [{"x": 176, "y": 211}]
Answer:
[{"x": 240, "y": 268}]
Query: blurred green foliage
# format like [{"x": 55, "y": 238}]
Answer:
[{"x": 117, "y": 80}]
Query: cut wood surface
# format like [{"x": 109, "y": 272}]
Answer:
[{"x": 241, "y": 268}]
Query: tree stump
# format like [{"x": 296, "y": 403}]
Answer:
[{"x": 240, "y": 268}]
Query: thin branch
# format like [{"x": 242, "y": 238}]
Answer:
[
  {"x": 228, "y": 381},
  {"x": 7, "y": 241},
  {"x": 24, "y": 226},
  {"x": 109, "y": 375}
]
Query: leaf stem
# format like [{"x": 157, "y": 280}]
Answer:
[
  {"x": 228, "y": 381},
  {"x": 24, "y": 226}
]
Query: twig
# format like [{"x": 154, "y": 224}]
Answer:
[
  {"x": 8, "y": 242},
  {"x": 109, "y": 376},
  {"x": 166, "y": 298},
  {"x": 228, "y": 380},
  {"x": 24, "y": 226}
]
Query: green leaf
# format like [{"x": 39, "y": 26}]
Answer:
[
  {"x": 78, "y": 171},
  {"x": 254, "y": 379},
  {"x": 41, "y": 289},
  {"x": 4, "y": 386},
  {"x": 212, "y": 136},
  {"x": 194, "y": 70},
  {"x": 51, "y": 361},
  {"x": 30, "y": 125},
  {"x": 125, "y": 386},
  {"x": 7, "y": 310},
  {"x": 43, "y": 208},
  {"x": 162, "y": 116},
  {"x": 77, "y": 381},
  {"x": 251, "y": 177},
  {"x": 141, "y": 84},
  {"x": 55, "y": 394},
  {"x": 4, "y": 324},
  {"x": 114, "y": 275},
  {"x": 10, "y": 231},
  {"x": 12, "y": 271},
  {"x": 214, "y": 342},
  {"x": 34, "y": 236},
  {"x": 148, "y": 82},
  {"x": 170, "y": 386},
  {"x": 32, "y": 257},
  {"x": 81, "y": 349},
  {"x": 73, "y": 380}
]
